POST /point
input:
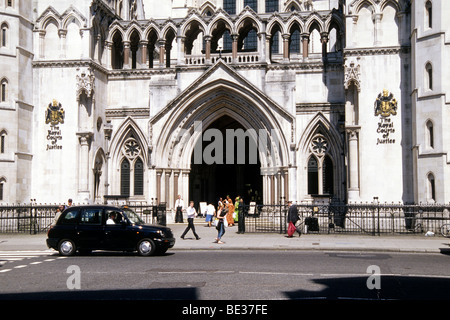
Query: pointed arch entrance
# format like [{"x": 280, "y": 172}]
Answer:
[
  {"x": 227, "y": 176},
  {"x": 220, "y": 97}
]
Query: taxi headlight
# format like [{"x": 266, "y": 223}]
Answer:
[{"x": 161, "y": 233}]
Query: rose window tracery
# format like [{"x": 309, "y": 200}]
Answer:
[
  {"x": 131, "y": 148},
  {"x": 319, "y": 145}
]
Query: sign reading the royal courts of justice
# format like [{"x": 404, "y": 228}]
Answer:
[
  {"x": 385, "y": 106},
  {"x": 54, "y": 115}
]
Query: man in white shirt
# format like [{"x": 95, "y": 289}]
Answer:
[
  {"x": 179, "y": 206},
  {"x": 210, "y": 211},
  {"x": 111, "y": 218},
  {"x": 191, "y": 214}
]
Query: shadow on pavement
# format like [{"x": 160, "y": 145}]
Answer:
[
  {"x": 139, "y": 294},
  {"x": 391, "y": 288}
]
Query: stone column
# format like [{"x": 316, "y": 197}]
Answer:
[
  {"x": 268, "y": 53},
  {"x": 377, "y": 30},
  {"x": 208, "y": 49},
  {"x": 126, "y": 54},
  {"x": 96, "y": 53},
  {"x": 272, "y": 188},
  {"x": 324, "y": 39},
  {"x": 167, "y": 188},
  {"x": 181, "y": 52},
  {"x": 286, "y": 47},
  {"x": 234, "y": 47},
  {"x": 305, "y": 42},
  {"x": 158, "y": 185},
  {"x": 62, "y": 43},
  {"x": 175, "y": 185},
  {"x": 286, "y": 184},
  {"x": 108, "y": 129},
  {"x": 162, "y": 52},
  {"x": 262, "y": 46},
  {"x": 108, "y": 48},
  {"x": 41, "y": 43},
  {"x": 353, "y": 163},
  {"x": 143, "y": 44},
  {"x": 83, "y": 174},
  {"x": 185, "y": 186}
]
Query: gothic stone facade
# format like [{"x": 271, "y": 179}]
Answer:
[{"x": 96, "y": 93}]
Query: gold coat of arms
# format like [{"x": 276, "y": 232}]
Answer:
[
  {"x": 54, "y": 113},
  {"x": 385, "y": 104}
]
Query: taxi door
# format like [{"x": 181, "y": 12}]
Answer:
[
  {"x": 117, "y": 233},
  {"x": 89, "y": 228}
]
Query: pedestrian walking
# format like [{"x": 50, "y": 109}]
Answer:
[
  {"x": 58, "y": 213},
  {"x": 292, "y": 220},
  {"x": 221, "y": 216},
  {"x": 191, "y": 214},
  {"x": 179, "y": 206}
]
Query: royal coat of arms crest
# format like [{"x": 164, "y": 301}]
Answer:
[
  {"x": 385, "y": 104},
  {"x": 54, "y": 113}
]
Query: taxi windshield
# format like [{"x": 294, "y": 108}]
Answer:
[{"x": 132, "y": 216}]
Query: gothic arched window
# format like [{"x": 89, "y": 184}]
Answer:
[
  {"x": 138, "y": 177},
  {"x": 313, "y": 176},
  {"x": 327, "y": 177},
  {"x": 2, "y": 142},
  {"x": 131, "y": 168},
  {"x": 2, "y": 188},
  {"x": 3, "y": 90},
  {"x": 430, "y": 134},
  {"x": 429, "y": 76},
  {"x": 4, "y": 35},
  {"x": 428, "y": 14},
  {"x": 320, "y": 167},
  {"x": 252, "y": 4},
  {"x": 125, "y": 178},
  {"x": 431, "y": 187},
  {"x": 271, "y": 6}
]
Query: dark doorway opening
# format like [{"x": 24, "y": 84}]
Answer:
[{"x": 209, "y": 182}]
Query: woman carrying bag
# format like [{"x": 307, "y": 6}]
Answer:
[{"x": 221, "y": 213}]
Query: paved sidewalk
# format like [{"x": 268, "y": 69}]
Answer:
[
  {"x": 310, "y": 241},
  {"x": 267, "y": 241}
]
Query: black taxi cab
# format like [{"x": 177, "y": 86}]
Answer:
[{"x": 103, "y": 227}]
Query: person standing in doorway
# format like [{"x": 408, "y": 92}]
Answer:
[
  {"x": 236, "y": 210},
  {"x": 241, "y": 218},
  {"x": 191, "y": 214},
  {"x": 230, "y": 207},
  {"x": 179, "y": 206}
]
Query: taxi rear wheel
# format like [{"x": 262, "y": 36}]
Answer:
[
  {"x": 146, "y": 247},
  {"x": 67, "y": 247}
]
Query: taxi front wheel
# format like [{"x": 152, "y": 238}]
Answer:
[{"x": 146, "y": 247}]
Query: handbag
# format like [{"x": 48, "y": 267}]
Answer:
[{"x": 291, "y": 229}]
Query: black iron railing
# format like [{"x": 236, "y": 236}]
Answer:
[
  {"x": 362, "y": 218},
  {"x": 321, "y": 218}
]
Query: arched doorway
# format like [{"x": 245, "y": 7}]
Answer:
[
  {"x": 226, "y": 177},
  {"x": 221, "y": 98}
]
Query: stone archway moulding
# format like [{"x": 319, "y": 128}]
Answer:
[{"x": 220, "y": 91}]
